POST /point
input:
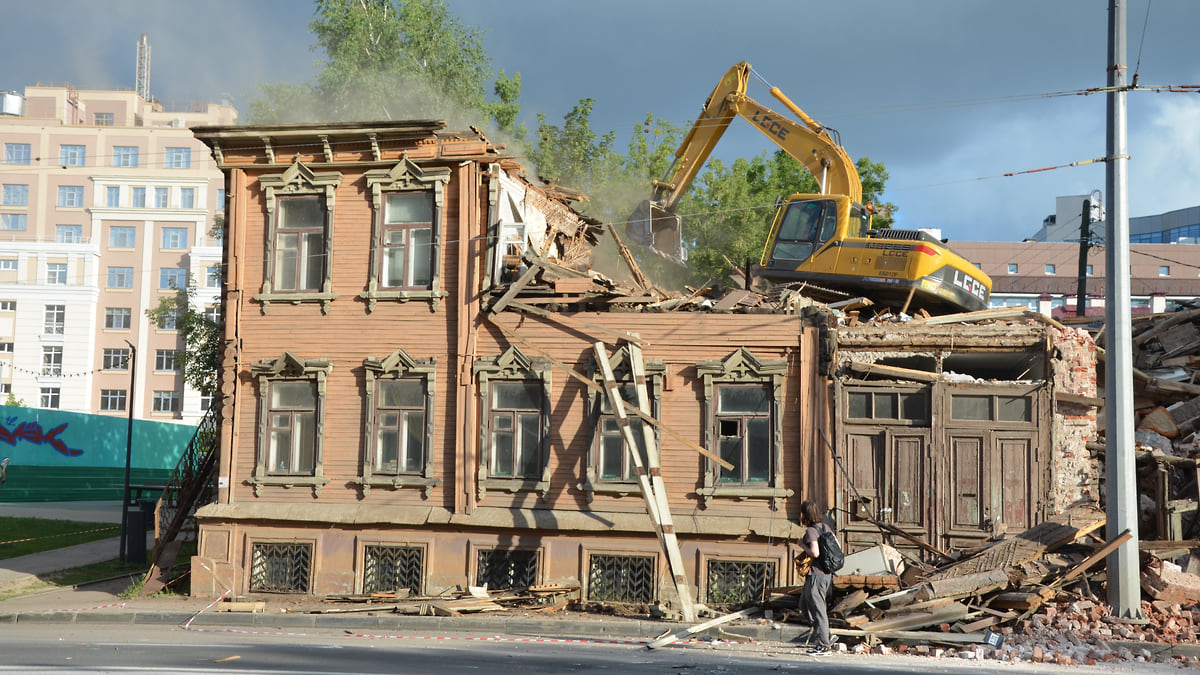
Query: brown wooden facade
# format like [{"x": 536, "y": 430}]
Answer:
[{"x": 499, "y": 477}]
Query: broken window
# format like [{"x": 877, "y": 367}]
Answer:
[
  {"x": 291, "y": 414},
  {"x": 399, "y": 427},
  {"x": 612, "y": 461},
  {"x": 610, "y": 466},
  {"x": 516, "y": 427},
  {"x": 742, "y": 400},
  {"x": 407, "y": 245}
]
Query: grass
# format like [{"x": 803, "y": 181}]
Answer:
[{"x": 34, "y": 535}]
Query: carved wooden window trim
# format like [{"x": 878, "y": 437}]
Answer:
[
  {"x": 397, "y": 366},
  {"x": 743, "y": 367},
  {"x": 297, "y": 180},
  {"x": 619, "y": 362},
  {"x": 405, "y": 176},
  {"x": 289, "y": 367},
  {"x": 512, "y": 366}
]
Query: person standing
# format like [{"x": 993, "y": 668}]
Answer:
[{"x": 817, "y": 583}]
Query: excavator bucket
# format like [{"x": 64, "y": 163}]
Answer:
[{"x": 655, "y": 227}]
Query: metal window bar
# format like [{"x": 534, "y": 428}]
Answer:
[
  {"x": 387, "y": 569},
  {"x": 507, "y": 569},
  {"x": 621, "y": 578},
  {"x": 739, "y": 582},
  {"x": 280, "y": 567}
]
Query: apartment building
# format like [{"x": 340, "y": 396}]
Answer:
[{"x": 107, "y": 206}]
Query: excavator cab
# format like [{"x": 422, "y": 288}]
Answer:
[{"x": 804, "y": 224}]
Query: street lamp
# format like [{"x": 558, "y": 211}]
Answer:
[{"x": 132, "y": 363}]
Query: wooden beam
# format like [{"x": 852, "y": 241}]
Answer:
[
  {"x": 893, "y": 371},
  {"x": 679, "y": 635},
  {"x": 1094, "y": 558}
]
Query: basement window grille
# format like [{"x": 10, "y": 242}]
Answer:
[
  {"x": 507, "y": 569},
  {"x": 387, "y": 569},
  {"x": 280, "y": 568},
  {"x": 738, "y": 582},
  {"x": 621, "y": 578}
]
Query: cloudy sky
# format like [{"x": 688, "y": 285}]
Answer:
[{"x": 948, "y": 94}]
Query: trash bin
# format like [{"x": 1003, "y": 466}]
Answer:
[{"x": 137, "y": 522}]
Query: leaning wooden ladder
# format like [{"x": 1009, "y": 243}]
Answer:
[{"x": 651, "y": 484}]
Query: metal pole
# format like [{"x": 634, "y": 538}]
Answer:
[
  {"x": 1085, "y": 240},
  {"x": 1124, "y": 593},
  {"x": 128, "y": 452}
]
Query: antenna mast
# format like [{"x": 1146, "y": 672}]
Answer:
[{"x": 143, "y": 68}]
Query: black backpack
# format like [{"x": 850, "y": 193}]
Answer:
[{"x": 831, "y": 558}]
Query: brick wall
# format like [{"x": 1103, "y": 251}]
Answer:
[{"x": 1074, "y": 473}]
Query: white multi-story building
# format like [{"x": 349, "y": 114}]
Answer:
[{"x": 107, "y": 205}]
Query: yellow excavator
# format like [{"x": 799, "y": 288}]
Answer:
[{"x": 823, "y": 241}]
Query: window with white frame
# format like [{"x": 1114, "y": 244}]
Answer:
[
  {"x": 162, "y": 197},
  {"x": 177, "y": 158},
  {"x": 516, "y": 426},
  {"x": 15, "y": 194},
  {"x": 50, "y": 397},
  {"x": 70, "y": 196},
  {"x": 112, "y": 400},
  {"x": 742, "y": 402},
  {"x": 115, "y": 359},
  {"x": 8, "y": 305},
  {"x": 1050, "y": 269},
  {"x": 407, "y": 242},
  {"x": 56, "y": 273},
  {"x": 206, "y": 400},
  {"x": 166, "y": 359},
  {"x": 55, "y": 322},
  {"x": 139, "y": 197},
  {"x": 174, "y": 238},
  {"x": 399, "y": 433},
  {"x": 72, "y": 155},
  {"x": 213, "y": 314},
  {"x": 166, "y": 402},
  {"x": 17, "y": 153},
  {"x": 68, "y": 234},
  {"x": 52, "y": 359},
  {"x": 291, "y": 394},
  {"x": 1164, "y": 270},
  {"x": 112, "y": 196},
  {"x": 120, "y": 277},
  {"x": 213, "y": 276},
  {"x": 187, "y": 198},
  {"x": 8, "y": 265},
  {"x": 122, "y": 236},
  {"x": 14, "y": 222},
  {"x": 117, "y": 318},
  {"x": 125, "y": 156},
  {"x": 169, "y": 319},
  {"x": 6, "y": 347},
  {"x": 172, "y": 278},
  {"x": 102, "y": 119}
]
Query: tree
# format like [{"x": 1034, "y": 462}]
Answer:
[
  {"x": 14, "y": 402},
  {"x": 200, "y": 360}
]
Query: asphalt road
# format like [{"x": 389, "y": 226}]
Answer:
[{"x": 84, "y": 648}]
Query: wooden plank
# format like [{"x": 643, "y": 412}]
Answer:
[
  {"x": 1067, "y": 397},
  {"x": 981, "y": 315},
  {"x": 894, "y": 371},
  {"x": 667, "y": 639},
  {"x": 1094, "y": 558},
  {"x": 914, "y": 635},
  {"x": 947, "y": 613},
  {"x": 964, "y": 585}
]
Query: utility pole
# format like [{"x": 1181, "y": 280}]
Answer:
[
  {"x": 1085, "y": 240},
  {"x": 1124, "y": 592}
]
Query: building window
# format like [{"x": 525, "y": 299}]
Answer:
[
  {"x": 166, "y": 359},
  {"x": 206, "y": 401},
  {"x": 13, "y": 221},
  {"x": 213, "y": 276},
  {"x": 742, "y": 400},
  {"x": 125, "y": 156},
  {"x": 399, "y": 394},
  {"x": 1049, "y": 269},
  {"x": 610, "y": 467},
  {"x": 291, "y": 394},
  {"x": 178, "y": 158},
  {"x": 6, "y": 348},
  {"x": 172, "y": 278},
  {"x": 117, "y": 318},
  {"x": 72, "y": 155},
  {"x": 8, "y": 305},
  {"x": 139, "y": 197},
  {"x": 1164, "y": 270},
  {"x": 516, "y": 426},
  {"x": 52, "y": 356},
  {"x": 55, "y": 320},
  {"x": 68, "y": 234},
  {"x": 277, "y": 567},
  {"x": 166, "y": 401},
  {"x": 116, "y": 359},
  {"x": 102, "y": 119},
  {"x": 70, "y": 196},
  {"x": 15, "y": 194},
  {"x": 187, "y": 198},
  {"x": 506, "y": 568},
  {"x": 622, "y": 578},
  {"x": 405, "y": 233},
  {"x": 50, "y": 397},
  {"x": 120, "y": 277},
  {"x": 299, "y": 263},
  {"x": 1089, "y": 270},
  {"x": 174, "y": 238},
  {"x": 7, "y": 265},
  {"x": 162, "y": 196},
  {"x": 56, "y": 273},
  {"x": 387, "y": 569},
  {"x": 731, "y": 583},
  {"x": 1012, "y": 268},
  {"x": 122, "y": 236},
  {"x": 112, "y": 196},
  {"x": 112, "y": 400},
  {"x": 168, "y": 319},
  {"x": 213, "y": 313},
  {"x": 16, "y": 153},
  {"x": 300, "y": 226}
]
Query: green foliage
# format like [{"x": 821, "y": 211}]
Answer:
[
  {"x": 14, "y": 402},
  {"x": 874, "y": 176},
  {"x": 201, "y": 360},
  {"x": 574, "y": 155}
]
